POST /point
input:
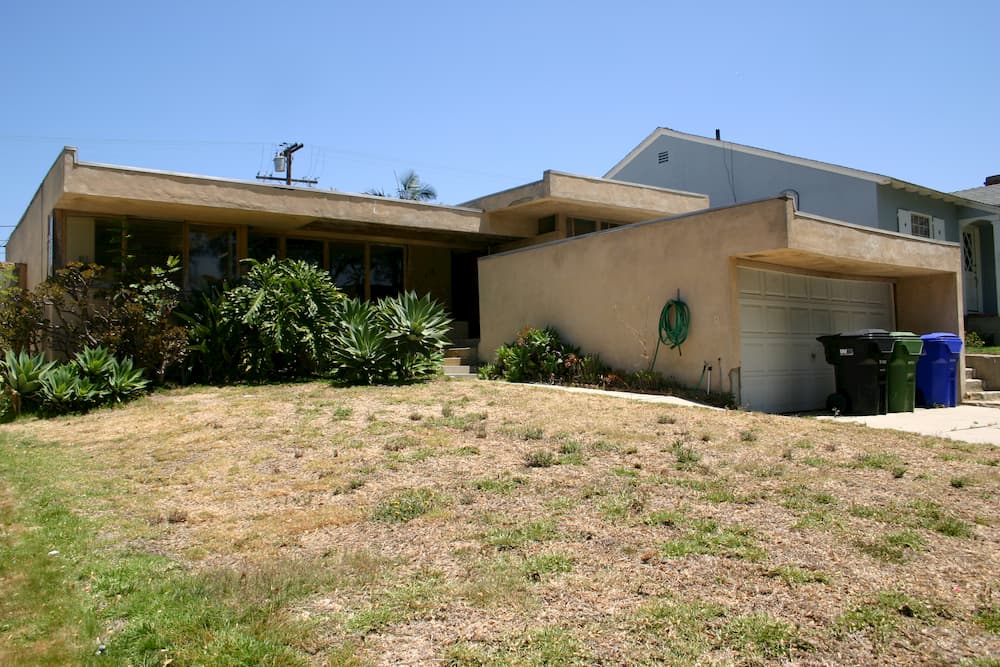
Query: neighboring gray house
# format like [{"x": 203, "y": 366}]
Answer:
[{"x": 732, "y": 173}]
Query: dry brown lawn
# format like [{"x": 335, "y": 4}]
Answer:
[{"x": 486, "y": 523}]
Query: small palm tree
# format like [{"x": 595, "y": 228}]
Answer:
[{"x": 408, "y": 187}]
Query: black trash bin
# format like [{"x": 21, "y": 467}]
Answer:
[{"x": 860, "y": 360}]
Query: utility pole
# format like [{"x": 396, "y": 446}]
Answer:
[{"x": 283, "y": 162}]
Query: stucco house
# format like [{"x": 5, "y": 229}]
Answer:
[
  {"x": 731, "y": 173},
  {"x": 986, "y": 322},
  {"x": 595, "y": 257}
]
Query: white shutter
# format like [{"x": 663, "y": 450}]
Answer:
[
  {"x": 904, "y": 222},
  {"x": 937, "y": 229}
]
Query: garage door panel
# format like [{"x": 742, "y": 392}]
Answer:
[
  {"x": 750, "y": 282},
  {"x": 783, "y": 367}
]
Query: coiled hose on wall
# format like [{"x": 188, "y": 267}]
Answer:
[{"x": 675, "y": 320}]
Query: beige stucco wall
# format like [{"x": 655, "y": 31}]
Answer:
[
  {"x": 604, "y": 292},
  {"x": 29, "y": 242}
]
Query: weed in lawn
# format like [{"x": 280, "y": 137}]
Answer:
[
  {"x": 666, "y": 419},
  {"x": 416, "y": 416},
  {"x": 571, "y": 453},
  {"x": 665, "y": 518},
  {"x": 960, "y": 482},
  {"x": 683, "y": 626},
  {"x": 621, "y": 504},
  {"x": 629, "y": 473},
  {"x": 400, "y": 443},
  {"x": 930, "y": 515},
  {"x": 542, "y": 566},
  {"x": 748, "y": 436},
  {"x": 707, "y": 537},
  {"x": 342, "y": 413},
  {"x": 540, "y": 458},
  {"x": 989, "y": 618},
  {"x": 629, "y": 449},
  {"x": 687, "y": 457},
  {"x": 816, "y": 462},
  {"x": 761, "y": 636},
  {"x": 727, "y": 495},
  {"x": 503, "y": 484},
  {"x": 881, "y": 618},
  {"x": 466, "y": 450},
  {"x": 893, "y": 547},
  {"x": 792, "y": 574},
  {"x": 405, "y": 601},
  {"x": 406, "y": 505},
  {"x": 532, "y": 433},
  {"x": 877, "y": 461},
  {"x": 898, "y": 471},
  {"x": 514, "y": 536}
]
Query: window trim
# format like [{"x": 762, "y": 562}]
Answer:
[{"x": 905, "y": 224}]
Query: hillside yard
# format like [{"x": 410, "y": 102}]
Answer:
[{"x": 475, "y": 523}]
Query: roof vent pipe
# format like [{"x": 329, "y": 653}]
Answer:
[
  {"x": 718, "y": 134},
  {"x": 992, "y": 180}
]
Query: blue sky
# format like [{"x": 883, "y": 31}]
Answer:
[{"x": 478, "y": 97}]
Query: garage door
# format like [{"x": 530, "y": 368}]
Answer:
[{"x": 783, "y": 368}]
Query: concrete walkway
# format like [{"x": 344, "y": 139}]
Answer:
[{"x": 969, "y": 423}]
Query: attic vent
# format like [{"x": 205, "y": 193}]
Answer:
[{"x": 662, "y": 157}]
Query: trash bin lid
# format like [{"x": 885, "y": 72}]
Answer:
[
  {"x": 907, "y": 341},
  {"x": 865, "y": 333},
  {"x": 951, "y": 340}
]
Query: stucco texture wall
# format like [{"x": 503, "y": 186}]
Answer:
[
  {"x": 604, "y": 292},
  {"x": 29, "y": 242}
]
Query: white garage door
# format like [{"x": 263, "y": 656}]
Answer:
[{"x": 783, "y": 368}]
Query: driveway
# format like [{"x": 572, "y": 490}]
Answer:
[{"x": 968, "y": 423}]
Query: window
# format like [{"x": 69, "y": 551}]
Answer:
[
  {"x": 211, "y": 256},
  {"x": 262, "y": 248},
  {"x": 578, "y": 226},
  {"x": 121, "y": 245},
  {"x": 309, "y": 250},
  {"x": 347, "y": 267},
  {"x": 547, "y": 224},
  {"x": 920, "y": 224},
  {"x": 386, "y": 278}
]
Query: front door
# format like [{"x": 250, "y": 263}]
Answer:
[{"x": 970, "y": 270}]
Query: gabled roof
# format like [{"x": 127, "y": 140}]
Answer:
[
  {"x": 989, "y": 194},
  {"x": 879, "y": 179}
]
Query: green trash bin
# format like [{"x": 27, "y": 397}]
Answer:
[{"x": 901, "y": 375}]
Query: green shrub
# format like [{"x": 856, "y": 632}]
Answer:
[
  {"x": 397, "y": 339},
  {"x": 21, "y": 375},
  {"x": 284, "y": 314},
  {"x": 537, "y": 355}
]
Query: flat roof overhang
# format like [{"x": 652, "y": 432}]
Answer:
[
  {"x": 517, "y": 210},
  {"x": 109, "y": 190},
  {"x": 832, "y": 247}
]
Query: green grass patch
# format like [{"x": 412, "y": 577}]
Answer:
[
  {"x": 893, "y": 547},
  {"x": 541, "y": 566},
  {"x": 512, "y": 537},
  {"x": 707, "y": 537},
  {"x": 882, "y": 617},
  {"x": 761, "y": 636},
  {"x": 877, "y": 461},
  {"x": 406, "y": 505},
  {"x": 792, "y": 574},
  {"x": 503, "y": 485},
  {"x": 989, "y": 619}
]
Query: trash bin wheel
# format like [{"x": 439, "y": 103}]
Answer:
[{"x": 837, "y": 403}]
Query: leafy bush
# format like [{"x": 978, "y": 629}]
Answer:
[
  {"x": 537, "y": 355},
  {"x": 361, "y": 351},
  {"x": 78, "y": 307},
  {"x": 973, "y": 339},
  {"x": 282, "y": 319}
]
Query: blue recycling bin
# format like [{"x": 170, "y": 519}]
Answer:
[{"x": 937, "y": 370}]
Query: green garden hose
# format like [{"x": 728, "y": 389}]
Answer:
[{"x": 675, "y": 319}]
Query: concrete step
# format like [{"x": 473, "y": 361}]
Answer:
[
  {"x": 457, "y": 369},
  {"x": 970, "y": 373},
  {"x": 977, "y": 396},
  {"x": 468, "y": 354},
  {"x": 462, "y": 376},
  {"x": 973, "y": 385}
]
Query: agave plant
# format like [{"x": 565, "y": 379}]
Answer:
[
  {"x": 123, "y": 381},
  {"x": 21, "y": 374},
  {"x": 417, "y": 328},
  {"x": 59, "y": 391},
  {"x": 93, "y": 362},
  {"x": 361, "y": 353}
]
